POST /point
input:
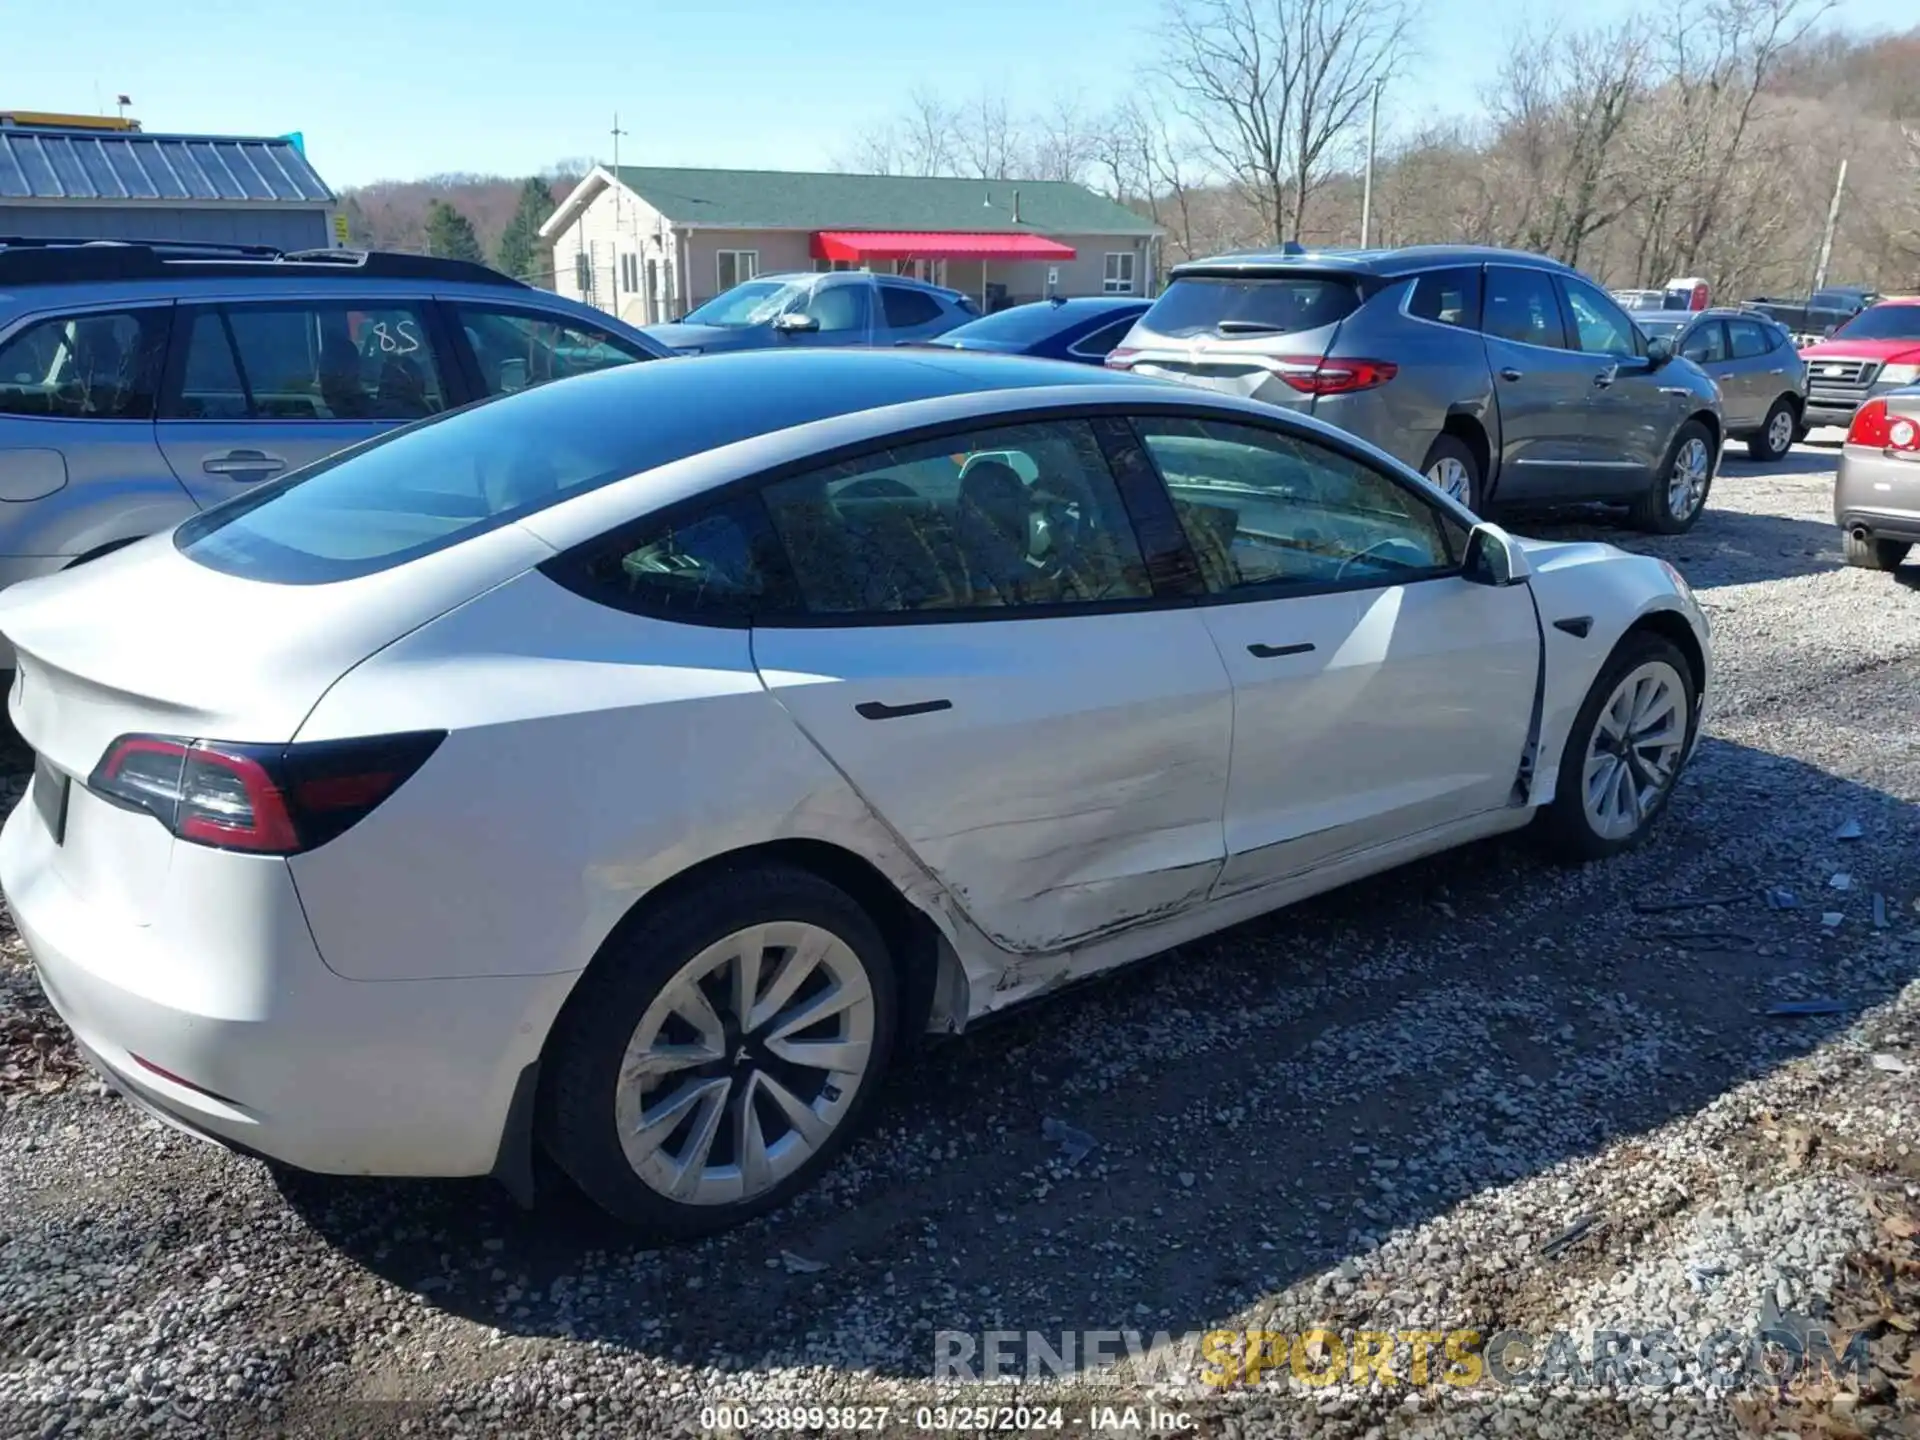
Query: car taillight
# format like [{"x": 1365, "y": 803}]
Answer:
[
  {"x": 1314, "y": 376},
  {"x": 1121, "y": 356},
  {"x": 1870, "y": 426},
  {"x": 269, "y": 799}
]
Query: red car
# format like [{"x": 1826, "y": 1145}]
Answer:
[{"x": 1874, "y": 353}]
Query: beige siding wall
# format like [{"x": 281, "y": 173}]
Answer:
[
  {"x": 777, "y": 250},
  {"x": 591, "y": 249}
]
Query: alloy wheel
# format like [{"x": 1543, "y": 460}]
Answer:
[
  {"x": 1635, "y": 750},
  {"x": 1780, "y": 432},
  {"x": 745, "y": 1063},
  {"x": 1451, "y": 478},
  {"x": 1687, "y": 484}
]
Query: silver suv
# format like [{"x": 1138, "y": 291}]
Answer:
[
  {"x": 1507, "y": 379},
  {"x": 140, "y": 383}
]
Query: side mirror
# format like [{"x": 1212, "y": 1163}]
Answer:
[
  {"x": 513, "y": 375},
  {"x": 1494, "y": 557},
  {"x": 1659, "y": 351},
  {"x": 795, "y": 322}
]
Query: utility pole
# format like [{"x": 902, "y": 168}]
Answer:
[
  {"x": 1826, "y": 239},
  {"x": 614, "y": 309},
  {"x": 1373, "y": 142}
]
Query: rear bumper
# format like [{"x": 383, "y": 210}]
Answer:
[
  {"x": 14, "y": 569},
  {"x": 1877, "y": 492},
  {"x": 264, "y": 1048}
]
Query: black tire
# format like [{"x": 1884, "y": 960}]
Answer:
[
  {"x": 1871, "y": 553},
  {"x": 584, "y": 1055},
  {"x": 1563, "y": 827},
  {"x": 1452, "y": 447},
  {"x": 1651, "y": 512},
  {"x": 1761, "y": 444}
]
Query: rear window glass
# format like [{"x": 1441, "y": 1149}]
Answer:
[
  {"x": 1019, "y": 326},
  {"x": 1278, "y": 304}
]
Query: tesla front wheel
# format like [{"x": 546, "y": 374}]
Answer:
[
  {"x": 1624, "y": 752},
  {"x": 714, "y": 1060}
]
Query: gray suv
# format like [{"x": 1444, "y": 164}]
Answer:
[
  {"x": 140, "y": 383},
  {"x": 850, "y": 307},
  {"x": 1507, "y": 379}
]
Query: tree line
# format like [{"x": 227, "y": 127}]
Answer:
[{"x": 1695, "y": 139}]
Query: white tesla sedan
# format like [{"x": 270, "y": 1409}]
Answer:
[{"x": 625, "y": 766}]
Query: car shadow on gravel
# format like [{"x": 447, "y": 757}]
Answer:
[
  {"x": 1262, "y": 1104},
  {"x": 1725, "y": 547}
]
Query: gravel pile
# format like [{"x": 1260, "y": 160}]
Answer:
[{"x": 1479, "y": 1094}]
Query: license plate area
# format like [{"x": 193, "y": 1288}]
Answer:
[{"x": 51, "y": 790}]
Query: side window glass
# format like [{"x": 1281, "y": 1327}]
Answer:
[
  {"x": 1019, "y": 515},
  {"x": 839, "y": 308},
  {"x": 1102, "y": 341},
  {"x": 1521, "y": 306},
  {"x": 309, "y": 362},
  {"x": 720, "y": 562},
  {"x": 516, "y": 350},
  {"x": 907, "y": 309},
  {"x": 1447, "y": 297},
  {"x": 1602, "y": 327},
  {"x": 1748, "y": 339},
  {"x": 1707, "y": 344},
  {"x": 1262, "y": 509},
  {"x": 85, "y": 367}
]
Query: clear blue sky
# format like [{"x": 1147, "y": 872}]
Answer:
[{"x": 397, "y": 89}]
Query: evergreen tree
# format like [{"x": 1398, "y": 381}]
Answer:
[
  {"x": 450, "y": 234},
  {"x": 521, "y": 253}
]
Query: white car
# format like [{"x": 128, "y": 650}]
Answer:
[{"x": 628, "y": 767}]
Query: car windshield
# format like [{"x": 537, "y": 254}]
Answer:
[
  {"x": 754, "y": 303},
  {"x": 1882, "y": 322},
  {"x": 1014, "y": 328},
  {"x": 1279, "y": 304}
]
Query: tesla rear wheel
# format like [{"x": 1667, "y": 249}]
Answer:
[
  {"x": 1776, "y": 437},
  {"x": 1873, "y": 554},
  {"x": 712, "y": 1062},
  {"x": 1624, "y": 753},
  {"x": 1678, "y": 493},
  {"x": 1452, "y": 470}
]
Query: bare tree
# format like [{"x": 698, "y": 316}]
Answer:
[
  {"x": 983, "y": 137},
  {"x": 1274, "y": 88},
  {"x": 918, "y": 141}
]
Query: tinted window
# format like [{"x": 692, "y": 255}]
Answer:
[
  {"x": 1020, "y": 515},
  {"x": 308, "y": 362},
  {"x": 1600, "y": 326},
  {"x": 1883, "y": 322},
  {"x": 1014, "y": 328},
  {"x": 85, "y": 367},
  {"x": 1102, "y": 341},
  {"x": 516, "y": 350},
  {"x": 1449, "y": 297},
  {"x": 1262, "y": 509},
  {"x": 721, "y": 561},
  {"x": 907, "y": 309},
  {"x": 1706, "y": 344},
  {"x": 1749, "y": 339},
  {"x": 1281, "y": 304},
  {"x": 1521, "y": 306}
]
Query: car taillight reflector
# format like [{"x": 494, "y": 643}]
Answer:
[
  {"x": 268, "y": 799},
  {"x": 1314, "y": 376},
  {"x": 1870, "y": 426}
]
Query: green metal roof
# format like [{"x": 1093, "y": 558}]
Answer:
[{"x": 794, "y": 200}]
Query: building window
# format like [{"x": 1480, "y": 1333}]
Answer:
[
  {"x": 931, "y": 271},
  {"x": 733, "y": 267},
  {"x": 630, "y": 273},
  {"x": 1119, "y": 273},
  {"x": 583, "y": 271}
]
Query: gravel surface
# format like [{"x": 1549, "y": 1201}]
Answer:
[{"x": 1480, "y": 1093}]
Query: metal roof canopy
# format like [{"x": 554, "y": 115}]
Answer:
[
  {"x": 936, "y": 245},
  {"x": 71, "y": 165}
]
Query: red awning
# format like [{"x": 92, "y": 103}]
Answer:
[{"x": 935, "y": 245}]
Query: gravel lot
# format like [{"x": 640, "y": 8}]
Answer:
[{"x": 1369, "y": 1113}]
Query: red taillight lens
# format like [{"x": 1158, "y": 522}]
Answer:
[
  {"x": 1121, "y": 356},
  {"x": 1870, "y": 426},
  {"x": 269, "y": 799},
  {"x": 1313, "y": 376}
]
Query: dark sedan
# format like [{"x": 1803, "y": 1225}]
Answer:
[{"x": 1083, "y": 330}]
